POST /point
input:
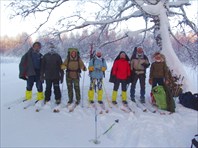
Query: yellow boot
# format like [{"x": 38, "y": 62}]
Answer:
[
  {"x": 124, "y": 97},
  {"x": 40, "y": 96},
  {"x": 91, "y": 95},
  {"x": 100, "y": 93},
  {"x": 114, "y": 95},
  {"x": 28, "y": 95}
]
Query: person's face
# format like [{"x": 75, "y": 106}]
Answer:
[
  {"x": 158, "y": 58},
  {"x": 99, "y": 54},
  {"x": 139, "y": 50},
  {"x": 122, "y": 56},
  {"x": 73, "y": 54},
  {"x": 36, "y": 47}
]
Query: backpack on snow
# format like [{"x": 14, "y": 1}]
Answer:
[
  {"x": 189, "y": 100},
  {"x": 195, "y": 142},
  {"x": 159, "y": 96}
]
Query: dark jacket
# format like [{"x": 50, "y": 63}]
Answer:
[
  {"x": 121, "y": 69},
  {"x": 159, "y": 70},
  {"x": 26, "y": 65},
  {"x": 51, "y": 66}
]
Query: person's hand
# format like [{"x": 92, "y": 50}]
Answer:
[
  {"x": 103, "y": 69},
  {"x": 63, "y": 67},
  {"x": 84, "y": 69},
  {"x": 150, "y": 81}
]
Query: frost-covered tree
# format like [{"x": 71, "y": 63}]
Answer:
[{"x": 111, "y": 15}]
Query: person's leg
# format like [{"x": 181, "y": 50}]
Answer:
[
  {"x": 115, "y": 91},
  {"x": 57, "y": 91},
  {"x": 30, "y": 83},
  {"x": 48, "y": 90},
  {"x": 91, "y": 90},
  {"x": 124, "y": 93},
  {"x": 69, "y": 82},
  {"x": 133, "y": 85},
  {"x": 77, "y": 90},
  {"x": 100, "y": 91},
  {"x": 142, "y": 78}
]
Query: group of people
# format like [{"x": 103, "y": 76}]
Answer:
[{"x": 35, "y": 67}]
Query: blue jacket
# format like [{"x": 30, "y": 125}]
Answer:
[{"x": 97, "y": 63}]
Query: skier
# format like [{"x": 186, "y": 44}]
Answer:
[
  {"x": 139, "y": 62},
  {"x": 52, "y": 73},
  {"x": 161, "y": 94},
  {"x": 29, "y": 70},
  {"x": 158, "y": 71},
  {"x": 120, "y": 73},
  {"x": 97, "y": 67},
  {"x": 74, "y": 65}
]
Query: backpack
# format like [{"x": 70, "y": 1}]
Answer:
[
  {"x": 189, "y": 100},
  {"x": 78, "y": 57},
  {"x": 159, "y": 95},
  {"x": 195, "y": 142}
]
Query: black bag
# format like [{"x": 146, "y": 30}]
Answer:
[
  {"x": 195, "y": 142},
  {"x": 189, "y": 100}
]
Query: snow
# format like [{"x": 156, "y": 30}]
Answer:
[{"x": 27, "y": 128}]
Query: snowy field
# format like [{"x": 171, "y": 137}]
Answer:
[{"x": 27, "y": 128}]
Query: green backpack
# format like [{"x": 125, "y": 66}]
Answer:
[{"x": 160, "y": 97}]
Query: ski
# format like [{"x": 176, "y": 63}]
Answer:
[
  {"x": 73, "y": 107},
  {"x": 141, "y": 106},
  {"x": 102, "y": 106},
  {"x": 126, "y": 108},
  {"x": 57, "y": 108},
  {"x": 39, "y": 105},
  {"x": 32, "y": 103},
  {"x": 17, "y": 102}
]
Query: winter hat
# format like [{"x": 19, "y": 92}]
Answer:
[
  {"x": 36, "y": 43},
  {"x": 98, "y": 53}
]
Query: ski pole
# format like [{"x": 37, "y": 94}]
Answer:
[
  {"x": 96, "y": 126},
  {"x": 83, "y": 88},
  {"x": 177, "y": 89},
  {"x": 107, "y": 97},
  {"x": 116, "y": 121}
]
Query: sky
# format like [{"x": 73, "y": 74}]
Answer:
[{"x": 17, "y": 25}]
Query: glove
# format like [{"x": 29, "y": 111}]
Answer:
[
  {"x": 145, "y": 65},
  {"x": 150, "y": 81},
  {"x": 61, "y": 81},
  {"x": 91, "y": 68},
  {"x": 63, "y": 67},
  {"x": 84, "y": 69},
  {"x": 103, "y": 69}
]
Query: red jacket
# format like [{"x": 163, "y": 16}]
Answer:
[{"x": 121, "y": 69}]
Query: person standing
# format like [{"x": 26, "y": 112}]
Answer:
[
  {"x": 29, "y": 70},
  {"x": 139, "y": 63},
  {"x": 97, "y": 67},
  {"x": 159, "y": 70},
  {"x": 52, "y": 73},
  {"x": 120, "y": 74},
  {"x": 73, "y": 65}
]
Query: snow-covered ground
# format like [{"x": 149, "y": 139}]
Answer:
[{"x": 27, "y": 128}]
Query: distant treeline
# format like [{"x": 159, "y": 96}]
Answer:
[{"x": 17, "y": 46}]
